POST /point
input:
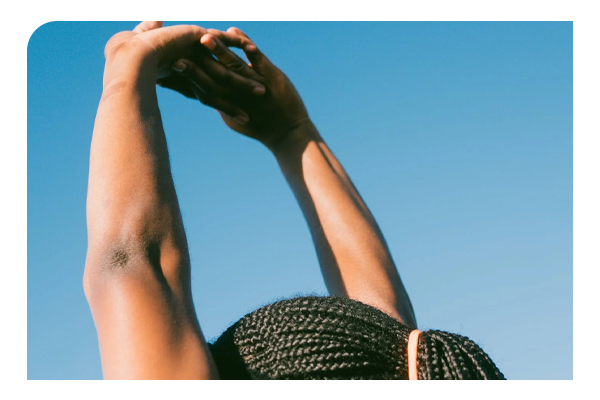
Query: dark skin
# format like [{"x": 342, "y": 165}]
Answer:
[
  {"x": 280, "y": 110},
  {"x": 354, "y": 258},
  {"x": 137, "y": 272}
]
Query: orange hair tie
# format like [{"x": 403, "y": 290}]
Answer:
[{"x": 413, "y": 343}]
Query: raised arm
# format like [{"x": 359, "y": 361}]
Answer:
[
  {"x": 137, "y": 273},
  {"x": 354, "y": 258}
]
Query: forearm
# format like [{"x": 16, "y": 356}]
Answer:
[
  {"x": 354, "y": 258},
  {"x": 130, "y": 183}
]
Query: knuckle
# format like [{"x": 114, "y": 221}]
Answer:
[
  {"x": 239, "y": 32},
  {"x": 220, "y": 50},
  {"x": 195, "y": 29},
  {"x": 224, "y": 75},
  {"x": 114, "y": 43},
  {"x": 235, "y": 66}
]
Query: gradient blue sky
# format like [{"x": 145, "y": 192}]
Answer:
[{"x": 459, "y": 136}]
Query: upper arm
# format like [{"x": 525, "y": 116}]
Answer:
[{"x": 144, "y": 314}]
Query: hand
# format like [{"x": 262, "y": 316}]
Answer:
[
  {"x": 270, "y": 117},
  {"x": 220, "y": 85},
  {"x": 150, "y": 43}
]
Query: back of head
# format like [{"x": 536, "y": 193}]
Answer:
[{"x": 338, "y": 338}]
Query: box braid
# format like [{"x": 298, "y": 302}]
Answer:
[
  {"x": 338, "y": 338},
  {"x": 443, "y": 355}
]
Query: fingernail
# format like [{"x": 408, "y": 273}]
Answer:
[
  {"x": 258, "y": 90},
  {"x": 241, "y": 119},
  {"x": 210, "y": 43},
  {"x": 250, "y": 47},
  {"x": 179, "y": 66}
]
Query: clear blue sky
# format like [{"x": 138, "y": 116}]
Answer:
[{"x": 459, "y": 136}]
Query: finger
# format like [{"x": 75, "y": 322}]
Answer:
[
  {"x": 260, "y": 63},
  {"x": 232, "y": 38},
  {"x": 239, "y": 32},
  {"x": 226, "y": 56},
  {"x": 232, "y": 80},
  {"x": 179, "y": 84},
  {"x": 147, "y": 26},
  {"x": 196, "y": 76},
  {"x": 237, "y": 38},
  {"x": 223, "y": 106}
]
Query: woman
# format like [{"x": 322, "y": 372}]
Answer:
[{"x": 137, "y": 275}]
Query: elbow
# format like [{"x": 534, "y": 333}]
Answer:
[
  {"x": 135, "y": 244},
  {"x": 133, "y": 257},
  {"x": 114, "y": 259}
]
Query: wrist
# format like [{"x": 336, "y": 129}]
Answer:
[
  {"x": 297, "y": 137},
  {"x": 130, "y": 64}
]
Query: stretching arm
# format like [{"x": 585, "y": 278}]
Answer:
[
  {"x": 137, "y": 274},
  {"x": 354, "y": 258},
  {"x": 353, "y": 255}
]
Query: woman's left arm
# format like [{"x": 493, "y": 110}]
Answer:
[{"x": 137, "y": 272}]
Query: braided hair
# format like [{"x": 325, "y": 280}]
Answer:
[{"x": 338, "y": 338}]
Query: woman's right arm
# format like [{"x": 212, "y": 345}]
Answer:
[{"x": 354, "y": 258}]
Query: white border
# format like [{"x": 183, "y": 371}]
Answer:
[{"x": 25, "y": 17}]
